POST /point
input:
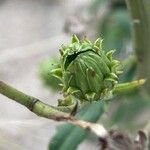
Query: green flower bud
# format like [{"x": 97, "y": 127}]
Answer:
[{"x": 88, "y": 73}]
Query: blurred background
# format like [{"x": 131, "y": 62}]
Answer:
[{"x": 31, "y": 32}]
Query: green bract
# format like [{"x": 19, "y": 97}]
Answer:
[{"x": 87, "y": 72}]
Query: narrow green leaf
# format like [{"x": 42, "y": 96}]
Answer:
[
  {"x": 68, "y": 137},
  {"x": 110, "y": 54}
]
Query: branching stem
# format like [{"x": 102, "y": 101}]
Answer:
[{"x": 43, "y": 110}]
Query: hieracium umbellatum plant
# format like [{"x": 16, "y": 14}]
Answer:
[{"x": 86, "y": 71}]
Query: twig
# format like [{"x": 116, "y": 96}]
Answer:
[
  {"x": 43, "y": 110},
  {"x": 107, "y": 140},
  {"x": 128, "y": 87}
]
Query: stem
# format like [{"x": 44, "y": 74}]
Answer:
[
  {"x": 47, "y": 111},
  {"x": 43, "y": 110},
  {"x": 140, "y": 15},
  {"x": 25, "y": 99},
  {"x": 50, "y": 112},
  {"x": 128, "y": 87},
  {"x": 33, "y": 104}
]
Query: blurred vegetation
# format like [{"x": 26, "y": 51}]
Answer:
[
  {"x": 116, "y": 30},
  {"x": 114, "y": 27},
  {"x": 45, "y": 74}
]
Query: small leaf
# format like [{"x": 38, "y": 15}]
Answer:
[
  {"x": 109, "y": 82},
  {"x": 74, "y": 39},
  {"x": 72, "y": 90},
  {"x": 57, "y": 73},
  {"x": 96, "y": 49},
  {"x": 90, "y": 96},
  {"x": 98, "y": 43},
  {"x": 65, "y": 102},
  {"x": 115, "y": 63},
  {"x": 110, "y": 54},
  {"x": 86, "y": 40},
  {"x": 114, "y": 76}
]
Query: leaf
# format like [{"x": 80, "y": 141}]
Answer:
[
  {"x": 74, "y": 39},
  {"x": 98, "y": 43},
  {"x": 68, "y": 137}
]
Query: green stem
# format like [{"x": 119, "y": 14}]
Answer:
[
  {"x": 43, "y": 110},
  {"x": 128, "y": 87},
  {"x": 140, "y": 15},
  {"x": 33, "y": 104}
]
